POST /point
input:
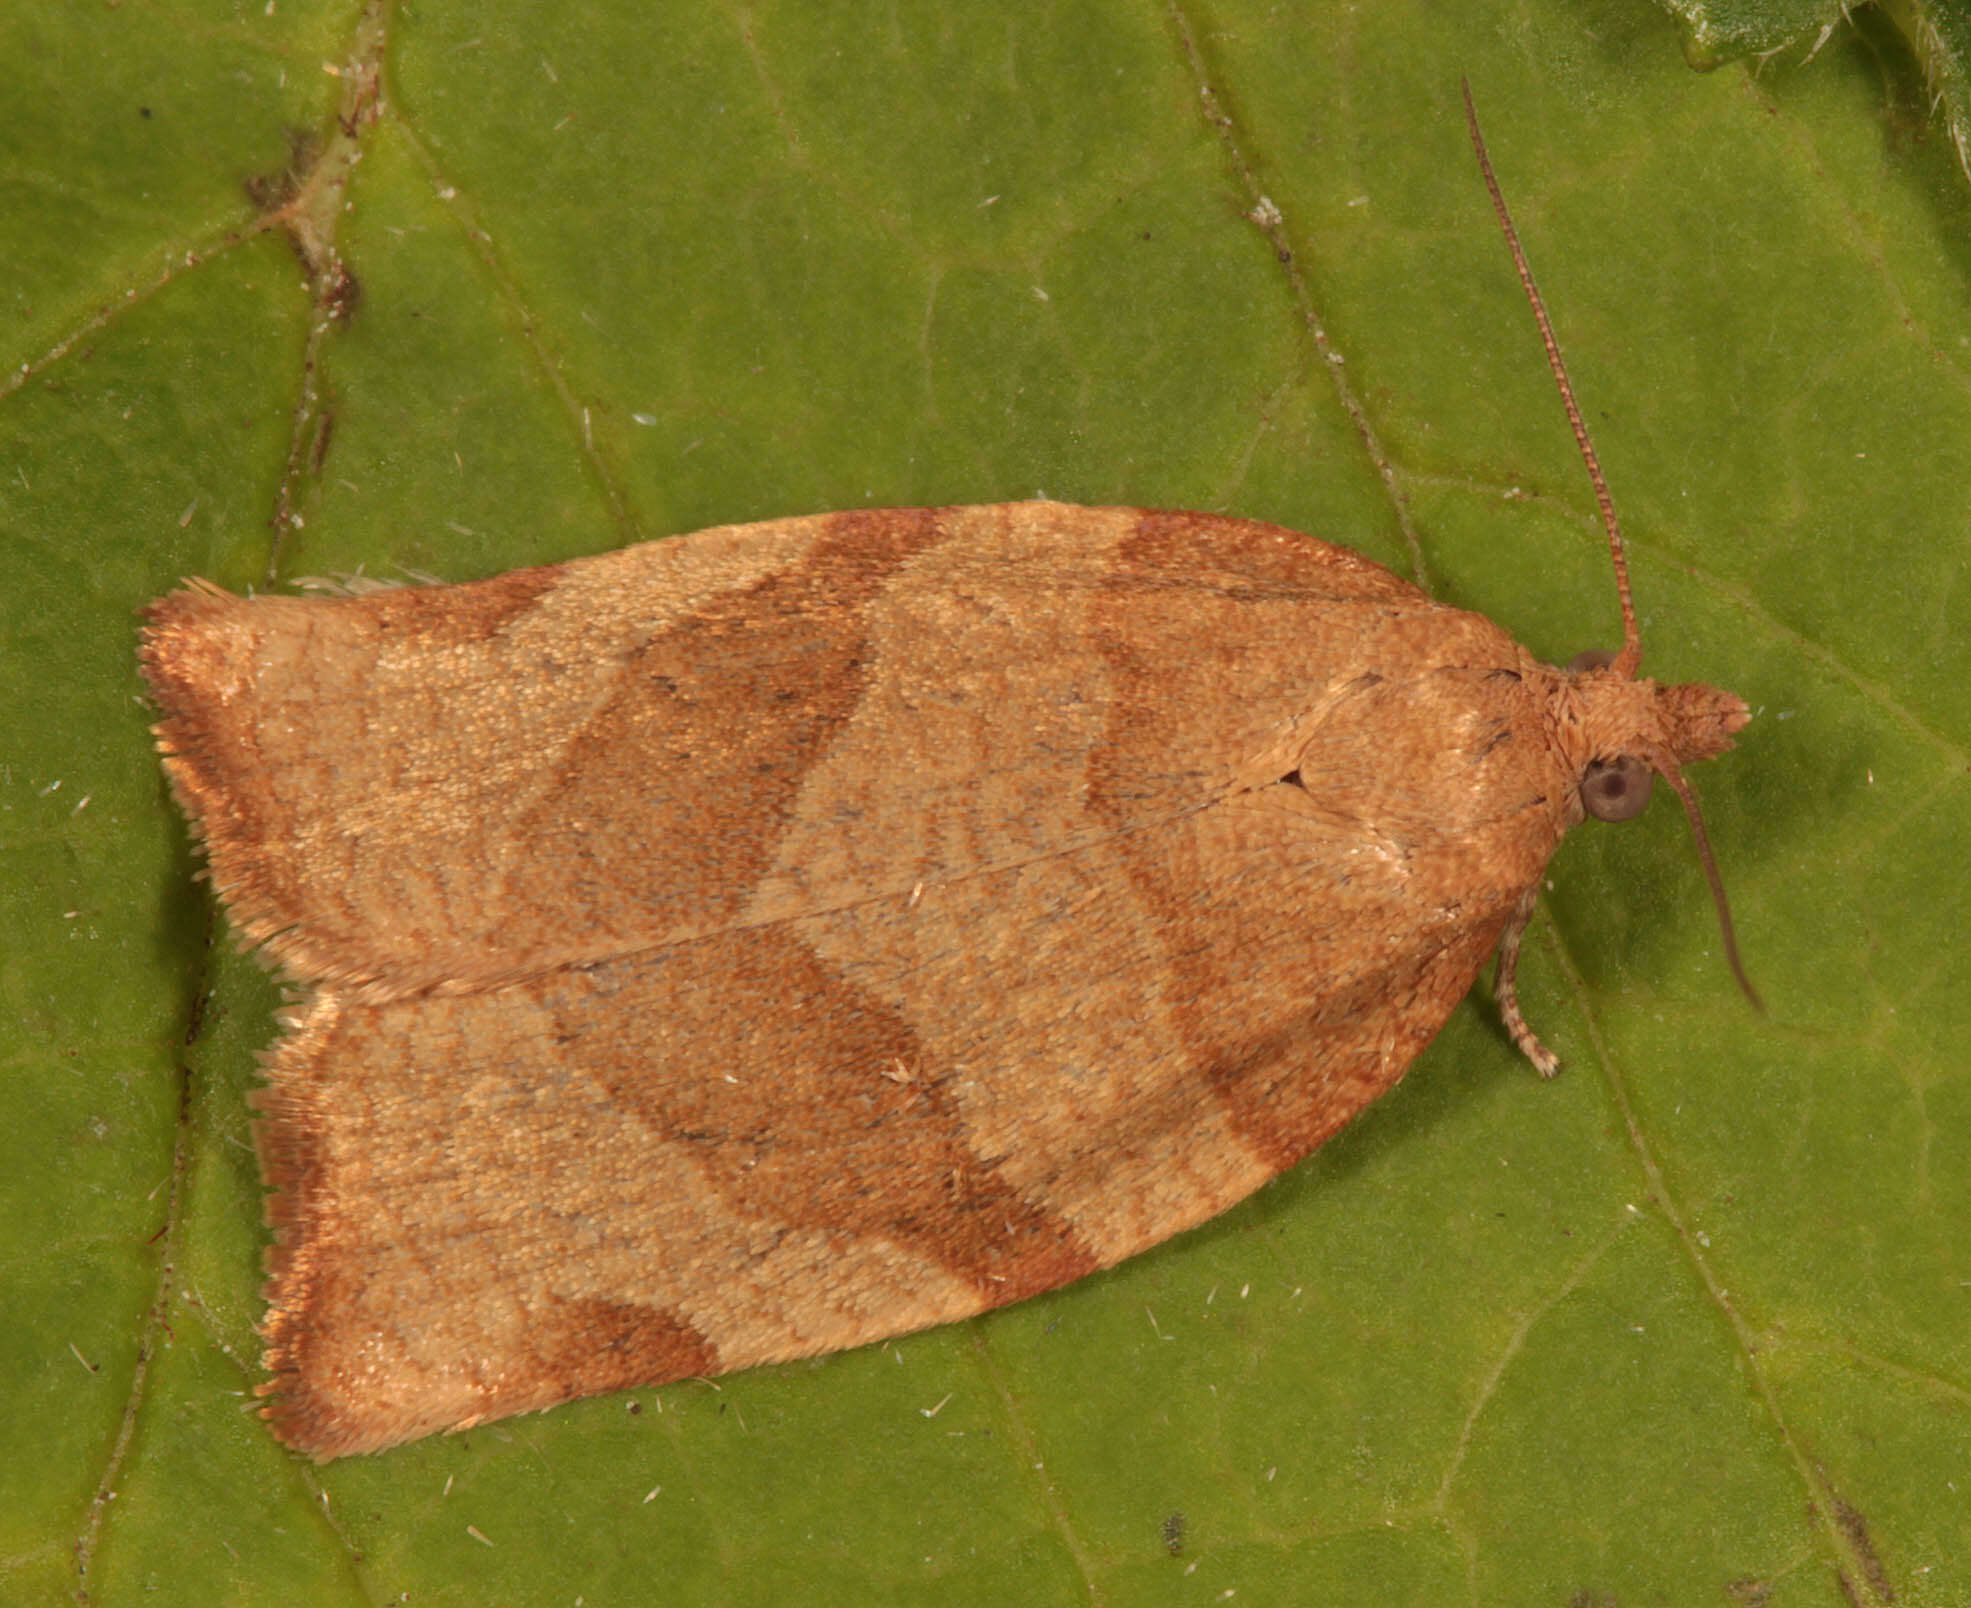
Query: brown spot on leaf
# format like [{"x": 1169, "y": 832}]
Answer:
[
  {"x": 274, "y": 189},
  {"x": 1855, "y": 1528},
  {"x": 340, "y": 292},
  {"x": 324, "y": 433}
]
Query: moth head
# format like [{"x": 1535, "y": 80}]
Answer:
[
  {"x": 1634, "y": 730},
  {"x": 1637, "y": 729},
  {"x": 1699, "y": 722}
]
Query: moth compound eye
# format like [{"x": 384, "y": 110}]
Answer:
[
  {"x": 1617, "y": 789},
  {"x": 1590, "y": 659}
]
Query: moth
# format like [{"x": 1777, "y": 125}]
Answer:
[{"x": 771, "y": 940}]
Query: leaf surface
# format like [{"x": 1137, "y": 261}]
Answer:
[{"x": 1690, "y": 1324}]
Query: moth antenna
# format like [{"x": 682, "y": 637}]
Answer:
[
  {"x": 1630, "y": 658},
  {"x": 1670, "y": 773}
]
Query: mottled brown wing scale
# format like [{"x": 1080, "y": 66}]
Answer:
[{"x": 900, "y": 914}]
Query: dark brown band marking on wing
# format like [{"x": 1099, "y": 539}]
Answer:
[
  {"x": 676, "y": 792},
  {"x": 441, "y": 616},
  {"x": 291, "y": 1132},
  {"x": 825, "y": 1113},
  {"x": 1277, "y": 1009},
  {"x": 590, "y": 1346}
]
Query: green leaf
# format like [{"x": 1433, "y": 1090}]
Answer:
[
  {"x": 1938, "y": 32},
  {"x": 1718, "y": 31},
  {"x": 1690, "y": 1324}
]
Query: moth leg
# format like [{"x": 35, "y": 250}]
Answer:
[{"x": 1506, "y": 992}]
